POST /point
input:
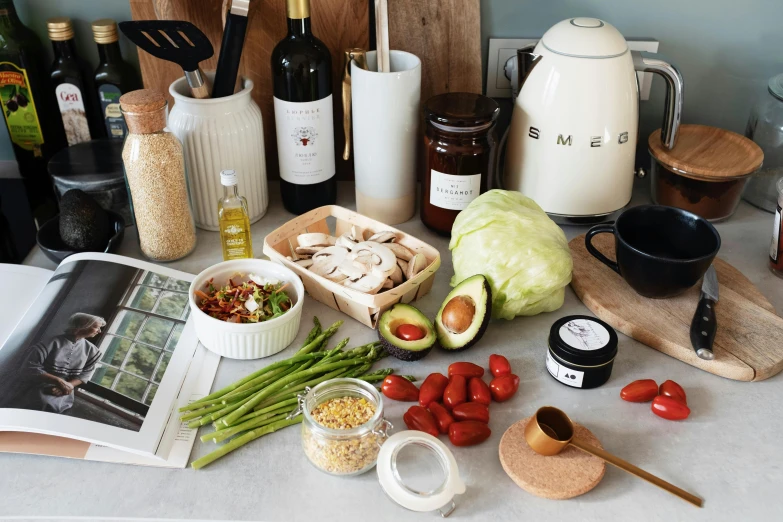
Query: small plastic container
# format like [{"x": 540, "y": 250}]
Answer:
[
  {"x": 581, "y": 351},
  {"x": 343, "y": 452},
  {"x": 776, "y": 247},
  {"x": 705, "y": 173}
]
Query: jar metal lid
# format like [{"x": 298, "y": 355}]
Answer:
[
  {"x": 583, "y": 340},
  {"x": 775, "y": 86},
  {"x": 461, "y": 110}
]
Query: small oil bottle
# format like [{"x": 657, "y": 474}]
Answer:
[{"x": 233, "y": 218}]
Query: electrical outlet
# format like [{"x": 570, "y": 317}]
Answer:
[{"x": 501, "y": 49}]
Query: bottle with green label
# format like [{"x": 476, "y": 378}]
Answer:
[
  {"x": 28, "y": 104},
  {"x": 72, "y": 84},
  {"x": 113, "y": 77}
]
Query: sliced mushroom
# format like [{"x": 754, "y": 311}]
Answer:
[
  {"x": 315, "y": 239},
  {"x": 369, "y": 284},
  {"x": 416, "y": 265},
  {"x": 383, "y": 259},
  {"x": 403, "y": 266},
  {"x": 308, "y": 251},
  {"x": 337, "y": 276},
  {"x": 346, "y": 242},
  {"x": 388, "y": 284},
  {"x": 355, "y": 235},
  {"x": 327, "y": 260},
  {"x": 352, "y": 271},
  {"x": 400, "y": 251},
  {"x": 385, "y": 236},
  {"x": 396, "y": 277},
  {"x": 305, "y": 263},
  {"x": 364, "y": 262}
]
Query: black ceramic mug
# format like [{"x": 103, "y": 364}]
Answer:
[{"x": 661, "y": 251}]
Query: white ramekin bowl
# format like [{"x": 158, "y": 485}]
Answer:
[{"x": 249, "y": 340}]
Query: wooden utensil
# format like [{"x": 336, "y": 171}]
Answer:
[
  {"x": 382, "y": 35},
  {"x": 174, "y": 41},
  {"x": 748, "y": 345},
  {"x": 550, "y": 431}
]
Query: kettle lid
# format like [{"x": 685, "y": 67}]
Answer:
[{"x": 585, "y": 38}]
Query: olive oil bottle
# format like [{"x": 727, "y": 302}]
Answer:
[
  {"x": 113, "y": 77},
  {"x": 233, "y": 220}
]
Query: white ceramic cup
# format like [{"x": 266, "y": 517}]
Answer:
[{"x": 385, "y": 116}]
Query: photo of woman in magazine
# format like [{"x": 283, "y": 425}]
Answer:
[{"x": 56, "y": 367}]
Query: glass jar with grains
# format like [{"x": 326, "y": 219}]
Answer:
[
  {"x": 155, "y": 172},
  {"x": 343, "y": 427}
]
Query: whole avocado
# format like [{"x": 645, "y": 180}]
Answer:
[{"x": 84, "y": 225}]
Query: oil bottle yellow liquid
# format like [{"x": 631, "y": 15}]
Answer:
[{"x": 235, "y": 238}]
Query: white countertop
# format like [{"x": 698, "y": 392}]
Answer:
[{"x": 728, "y": 452}]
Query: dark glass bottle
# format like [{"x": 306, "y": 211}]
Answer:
[
  {"x": 28, "y": 106},
  {"x": 113, "y": 77},
  {"x": 72, "y": 86},
  {"x": 302, "y": 79}
]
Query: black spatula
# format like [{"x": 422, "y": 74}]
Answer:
[{"x": 175, "y": 41}]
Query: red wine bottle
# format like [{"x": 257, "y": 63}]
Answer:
[{"x": 302, "y": 80}]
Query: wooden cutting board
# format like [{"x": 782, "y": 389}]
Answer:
[
  {"x": 446, "y": 35},
  {"x": 749, "y": 342}
]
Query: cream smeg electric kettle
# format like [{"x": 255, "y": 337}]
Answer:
[{"x": 572, "y": 140}]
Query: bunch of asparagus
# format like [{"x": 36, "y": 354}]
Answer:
[{"x": 261, "y": 402}]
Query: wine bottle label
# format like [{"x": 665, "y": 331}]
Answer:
[
  {"x": 305, "y": 140},
  {"x": 19, "y": 108},
  {"x": 71, "y": 103},
  {"x": 774, "y": 248},
  {"x": 453, "y": 192},
  {"x": 110, "y": 106}
]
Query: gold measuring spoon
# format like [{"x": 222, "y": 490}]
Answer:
[{"x": 550, "y": 430}]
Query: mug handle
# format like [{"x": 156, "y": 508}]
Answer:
[
  {"x": 360, "y": 56},
  {"x": 594, "y": 231}
]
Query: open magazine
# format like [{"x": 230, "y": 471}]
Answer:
[{"x": 103, "y": 352}]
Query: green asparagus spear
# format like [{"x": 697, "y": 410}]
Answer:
[{"x": 267, "y": 418}]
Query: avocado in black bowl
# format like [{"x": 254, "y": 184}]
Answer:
[{"x": 52, "y": 245}]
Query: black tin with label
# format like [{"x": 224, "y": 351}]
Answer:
[{"x": 581, "y": 351}]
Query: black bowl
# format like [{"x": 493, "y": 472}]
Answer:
[{"x": 50, "y": 243}]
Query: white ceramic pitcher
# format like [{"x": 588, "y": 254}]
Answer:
[{"x": 219, "y": 134}]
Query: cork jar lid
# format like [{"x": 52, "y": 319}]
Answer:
[
  {"x": 144, "y": 111},
  {"x": 707, "y": 153},
  {"x": 142, "y": 100}
]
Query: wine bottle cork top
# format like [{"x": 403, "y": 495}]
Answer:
[
  {"x": 59, "y": 28},
  {"x": 144, "y": 110}
]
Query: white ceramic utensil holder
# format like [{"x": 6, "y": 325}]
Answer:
[
  {"x": 219, "y": 134},
  {"x": 386, "y": 114}
]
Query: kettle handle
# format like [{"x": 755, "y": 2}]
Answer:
[{"x": 674, "y": 90}]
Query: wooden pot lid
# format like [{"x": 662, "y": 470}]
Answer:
[
  {"x": 707, "y": 153},
  {"x": 570, "y": 473}
]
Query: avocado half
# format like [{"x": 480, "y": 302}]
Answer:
[
  {"x": 464, "y": 315},
  {"x": 400, "y": 314}
]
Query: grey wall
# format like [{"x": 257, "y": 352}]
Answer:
[{"x": 725, "y": 49}]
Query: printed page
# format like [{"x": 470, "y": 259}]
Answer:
[
  {"x": 101, "y": 354},
  {"x": 21, "y": 286}
]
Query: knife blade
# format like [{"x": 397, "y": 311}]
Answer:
[{"x": 705, "y": 324}]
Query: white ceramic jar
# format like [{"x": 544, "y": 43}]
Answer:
[{"x": 219, "y": 134}]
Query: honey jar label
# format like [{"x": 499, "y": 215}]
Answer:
[
  {"x": 453, "y": 192},
  {"x": 584, "y": 335}
]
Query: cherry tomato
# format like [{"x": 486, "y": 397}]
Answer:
[
  {"x": 499, "y": 365},
  {"x": 409, "y": 332},
  {"x": 442, "y": 416},
  {"x": 399, "y": 389},
  {"x": 643, "y": 390},
  {"x": 478, "y": 391},
  {"x": 432, "y": 389},
  {"x": 504, "y": 387},
  {"x": 456, "y": 392},
  {"x": 468, "y": 433},
  {"x": 673, "y": 390},
  {"x": 670, "y": 409},
  {"x": 471, "y": 411},
  {"x": 418, "y": 418},
  {"x": 465, "y": 369}
]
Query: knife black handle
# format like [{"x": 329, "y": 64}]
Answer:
[{"x": 703, "y": 328}]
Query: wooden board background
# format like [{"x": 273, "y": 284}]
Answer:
[
  {"x": 445, "y": 34},
  {"x": 749, "y": 342}
]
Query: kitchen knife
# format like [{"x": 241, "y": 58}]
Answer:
[{"x": 705, "y": 323}]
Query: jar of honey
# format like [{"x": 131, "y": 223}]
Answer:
[{"x": 460, "y": 150}]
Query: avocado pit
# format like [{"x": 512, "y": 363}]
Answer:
[{"x": 458, "y": 313}]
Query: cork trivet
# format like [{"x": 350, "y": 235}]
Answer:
[{"x": 568, "y": 474}]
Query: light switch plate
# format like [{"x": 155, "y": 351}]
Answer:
[{"x": 501, "y": 49}]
